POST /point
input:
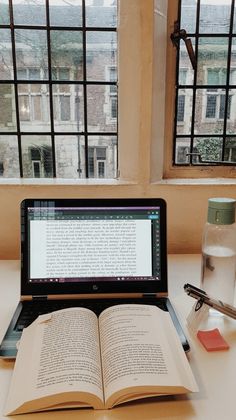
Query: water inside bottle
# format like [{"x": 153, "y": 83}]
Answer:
[{"x": 218, "y": 273}]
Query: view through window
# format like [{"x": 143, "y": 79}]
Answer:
[
  {"x": 58, "y": 88},
  {"x": 205, "y": 122}
]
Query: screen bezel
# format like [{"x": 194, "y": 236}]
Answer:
[{"x": 128, "y": 287}]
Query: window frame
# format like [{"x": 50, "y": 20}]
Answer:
[
  {"x": 144, "y": 126},
  {"x": 32, "y": 101},
  {"x": 171, "y": 170}
]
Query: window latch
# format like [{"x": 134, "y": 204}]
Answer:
[
  {"x": 202, "y": 161},
  {"x": 179, "y": 34}
]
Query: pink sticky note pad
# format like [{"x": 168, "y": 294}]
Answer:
[{"x": 212, "y": 340}]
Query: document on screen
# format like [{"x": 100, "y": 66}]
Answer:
[{"x": 90, "y": 248}]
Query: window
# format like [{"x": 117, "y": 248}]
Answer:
[
  {"x": 205, "y": 121},
  {"x": 54, "y": 58},
  {"x": 111, "y": 96},
  {"x": 41, "y": 162},
  {"x": 181, "y": 107},
  {"x": 97, "y": 162}
]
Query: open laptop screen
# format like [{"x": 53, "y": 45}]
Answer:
[{"x": 81, "y": 241}]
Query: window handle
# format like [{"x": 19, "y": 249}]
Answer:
[
  {"x": 179, "y": 34},
  {"x": 209, "y": 162}
]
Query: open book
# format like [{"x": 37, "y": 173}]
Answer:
[{"x": 71, "y": 358}]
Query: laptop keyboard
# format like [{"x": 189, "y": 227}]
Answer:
[{"x": 31, "y": 310}]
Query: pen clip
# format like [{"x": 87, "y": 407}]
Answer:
[{"x": 199, "y": 304}]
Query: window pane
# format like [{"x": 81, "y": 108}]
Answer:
[
  {"x": 222, "y": 107},
  {"x": 101, "y": 153},
  {"x": 31, "y": 49},
  {"x": 101, "y": 54},
  {"x": 104, "y": 148},
  {"x": 182, "y": 150},
  {"x": 34, "y": 107},
  {"x": 212, "y": 52},
  {"x": 216, "y": 76},
  {"x": 101, "y": 170},
  {"x": 66, "y": 13},
  {"x": 29, "y": 12},
  {"x": 217, "y": 21},
  {"x": 230, "y": 149},
  {"x": 207, "y": 114},
  {"x": 233, "y": 62},
  {"x": 7, "y": 108},
  {"x": 67, "y": 51},
  {"x": 63, "y": 73},
  {"x": 6, "y": 67},
  {"x": 65, "y": 108},
  {"x": 24, "y": 107},
  {"x": 91, "y": 162},
  {"x": 184, "y": 111},
  {"x": 211, "y": 106},
  {"x": 102, "y": 16},
  {"x": 234, "y": 26},
  {"x": 114, "y": 110},
  {"x": 188, "y": 16},
  {"x": 209, "y": 148},
  {"x": 68, "y": 107},
  {"x": 231, "y": 121},
  {"x": 186, "y": 73},
  {"x": 9, "y": 159},
  {"x": 37, "y": 156},
  {"x": 70, "y": 156},
  {"x": 34, "y": 74},
  {"x": 4, "y": 13},
  {"x": 99, "y": 109},
  {"x": 181, "y": 108}
]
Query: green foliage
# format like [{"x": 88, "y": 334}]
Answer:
[{"x": 209, "y": 148}]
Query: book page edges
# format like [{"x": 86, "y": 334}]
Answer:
[
  {"x": 57, "y": 401},
  {"x": 139, "y": 392},
  {"x": 179, "y": 356}
]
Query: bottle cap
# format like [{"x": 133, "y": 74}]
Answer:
[{"x": 221, "y": 211}]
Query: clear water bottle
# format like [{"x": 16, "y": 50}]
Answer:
[{"x": 219, "y": 250}]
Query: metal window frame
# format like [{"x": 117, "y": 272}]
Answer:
[
  {"x": 50, "y": 82},
  {"x": 194, "y": 87}
]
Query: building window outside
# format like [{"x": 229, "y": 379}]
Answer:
[
  {"x": 181, "y": 108},
  {"x": 215, "y": 107},
  {"x": 53, "y": 84},
  {"x": 97, "y": 162},
  {"x": 41, "y": 162},
  {"x": 205, "y": 122},
  {"x": 111, "y": 102}
]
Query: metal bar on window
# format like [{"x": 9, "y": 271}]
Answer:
[
  {"x": 85, "y": 89},
  {"x": 228, "y": 78},
  {"x": 51, "y": 113},
  {"x": 15, "y": 87}
]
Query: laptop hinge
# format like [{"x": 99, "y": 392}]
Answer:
[{"x": 39, "y": 297}]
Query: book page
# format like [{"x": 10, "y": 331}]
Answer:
[
  {"x": 135, "y": 349},
  {"x": 58, "y": 353}
]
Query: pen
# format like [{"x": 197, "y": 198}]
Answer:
[{"x": 203, "y": 297}]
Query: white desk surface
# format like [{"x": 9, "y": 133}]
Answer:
[{"x": 215, "y": 372}]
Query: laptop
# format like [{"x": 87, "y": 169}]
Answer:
[{"x": 90, "y": 253}]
